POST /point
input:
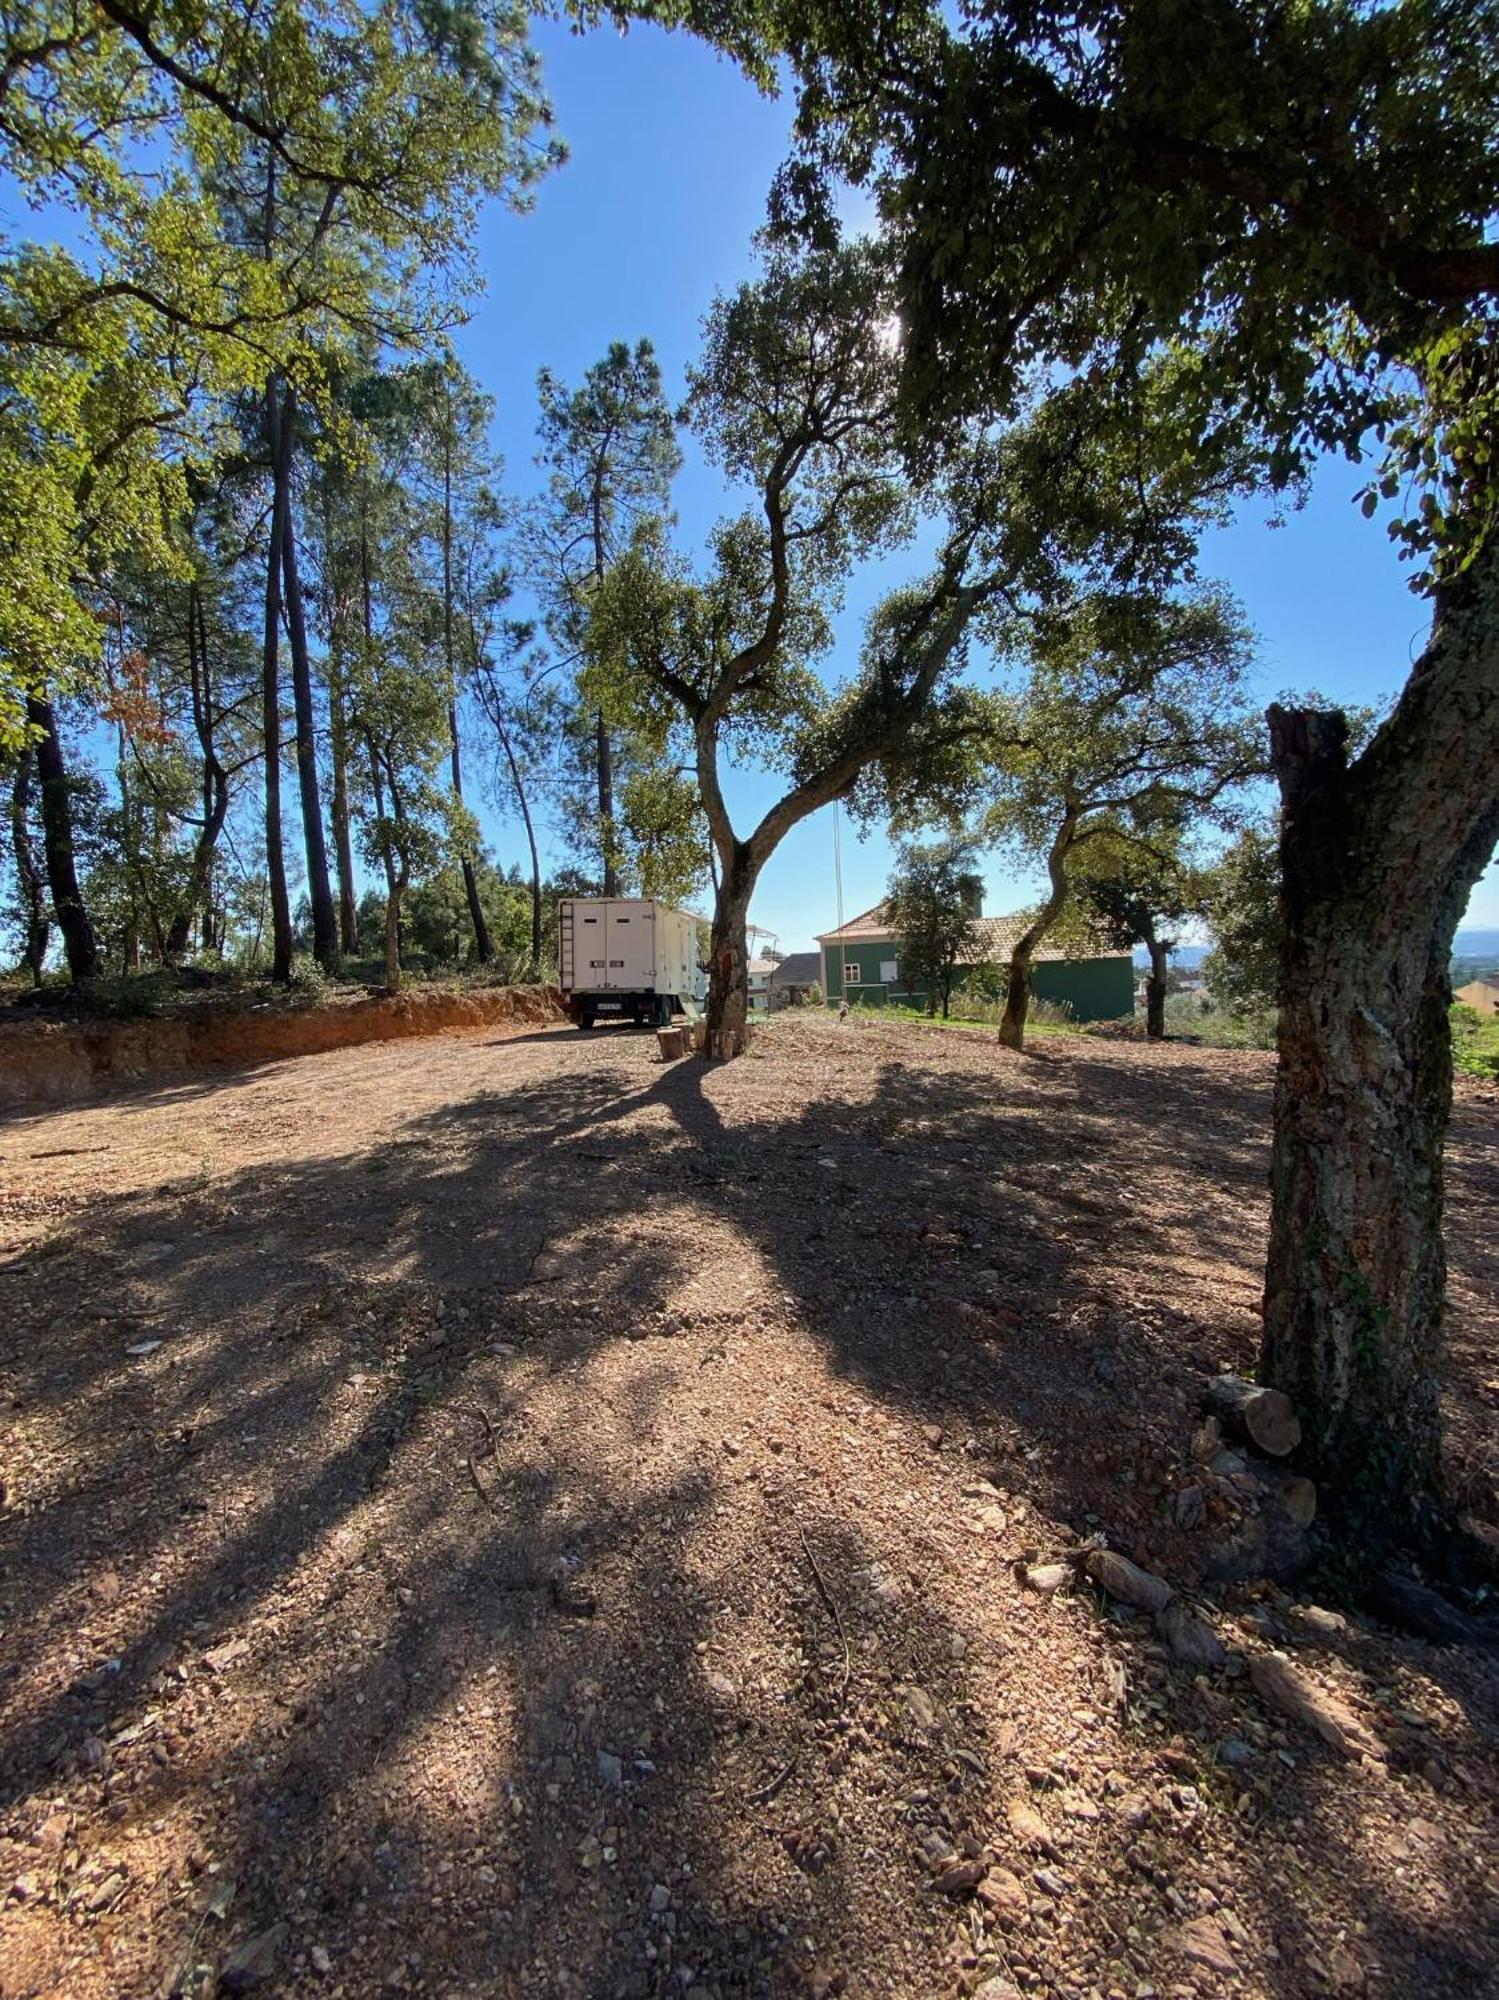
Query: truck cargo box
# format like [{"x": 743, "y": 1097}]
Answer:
[{"x": 627, "y": 958}]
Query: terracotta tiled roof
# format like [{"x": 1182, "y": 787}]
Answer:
[{"x": 994, "y": 938}]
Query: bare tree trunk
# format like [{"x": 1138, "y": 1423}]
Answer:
[
  {"x": 483, "y": 949},
  {"x": 215, "y": 783},
  {"x": 1018, "y": 996},
  {"x": 393, "y": 929},
  {"x": 343, "y": 845},
  {"x": 38, "y": 929},
  {"x": 270, "y": 707},
  {"x": 80, "y": 944},
  {"x": 319, "y": 890},
  {"x": 1378, "y": 859},
  {"x": 605, "y": 759},
  {"x": 338, "y": 738},
  {"x": 728, "y": 972},
  {"x": 1155, "y": 990}
]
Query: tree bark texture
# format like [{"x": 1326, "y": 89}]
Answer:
[
  {"x": 319, "y": 889},
  {"x": 1377, "y": 860},
  {"x": 33, "y": 895},
  {"x": 1155, "y": 990},
  {"x": 80, "y": 945},
  {"x": 270, "y": 705},
  {"x": 604, "y": 753},
  {"x": 1018, "y": 992},
  {"x": 728, "y": 971}
]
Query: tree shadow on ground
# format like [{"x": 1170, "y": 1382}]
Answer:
[{"x": 556, "y": 1554}]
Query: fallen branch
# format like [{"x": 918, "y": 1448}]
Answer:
[
  {"x": 766, "y": 1793},
  {"x": 827, "y": 1597}
]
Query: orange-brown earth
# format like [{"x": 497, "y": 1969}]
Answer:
[{"x": 500, "y": 1515}]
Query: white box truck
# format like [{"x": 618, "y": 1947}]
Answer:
[{"x": 628, "y": 958}]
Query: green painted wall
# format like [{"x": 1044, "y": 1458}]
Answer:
[{"x": 1097, "y": 989}]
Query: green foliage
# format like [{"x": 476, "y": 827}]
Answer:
[
  {"x": 1242, "y": 901},
  {"x": 1302, "y": 197},
  {"x": 934, "y": 896},
  {"x": 1475, "y": 1043}
]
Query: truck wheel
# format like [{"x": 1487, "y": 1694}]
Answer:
[
  {"x": 585, "y": 1017},
  {"x": 666, "y": 1009}
]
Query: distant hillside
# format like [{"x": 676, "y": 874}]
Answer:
[{"x": 1474, "y": 951}]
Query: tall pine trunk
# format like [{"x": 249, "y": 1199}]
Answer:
[
  {"x": 483, "y": 950},
  {"x": 1155, "y": 990},
  {"x": 37, "y": 929},
  {"x": 80, "y": 944},
  {"x": 270, "y": 702},
  {"x": 604, "y": 757},
  {"x": 1378, "y": 859},
  {"x": 343, "y": 844},
  {"x": 319, "y": 889},
  {"x": 338, "y": 737}
]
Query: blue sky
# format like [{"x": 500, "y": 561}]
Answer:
[{"x": 672, "y": 155}]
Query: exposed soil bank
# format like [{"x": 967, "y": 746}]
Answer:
[{"x": 48, "y": 1062}]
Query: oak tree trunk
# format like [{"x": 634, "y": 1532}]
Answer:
[
  {"x": 1018, "y": 994},
  {"x": 80, "y": 945},
  {"x": 1155, "y": 991},
  {"x": 1377, "y": 859},
  {"x": 728, "y": 972},
  {"x": 1017, "y": 997}
]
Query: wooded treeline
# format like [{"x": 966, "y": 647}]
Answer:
[{"x": 1131, "y": 267}]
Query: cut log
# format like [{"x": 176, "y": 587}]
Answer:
[
  {"x": 1127, "y": 1581},
  {"x": 1261, "y": 1417},
  {"x": 672, "y": 1043}
]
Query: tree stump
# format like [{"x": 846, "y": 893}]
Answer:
[{"x": 671, "y": 1042}]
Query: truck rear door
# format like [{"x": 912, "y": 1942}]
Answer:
[{"x": 630, "y": 945}]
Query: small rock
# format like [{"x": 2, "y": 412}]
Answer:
[
  {"x": 660, "y": 1898},
  {"x": 253, "y": 1961},
  {"x": 1190, "y": 1508},
  {"x": 923, "y": 1710},
  {"x": 1050, "y": 1883},
  {"x": 24, "y": 1888},
  {"x": 322, "y": 1962},
  {"x": 108, "y": 1892},
  {"x": 959, "y": 1878},
  {"x": 1235, "y": 1752},
  {"x": 992, "y": 1519},
  {"x": 1191, "y": 1639},
  {"x": 933, "y": 1435},
  {"x": 1048, "y": 1578},
  {"x": 1028, "y": 1826},
  {"x": 1327, "y": 1624},
  {"x": 1004, "y": 1894},
  {"x": 610, "y": 1769},
  {"x": 1201, "y": 1941},
  {"x": 998, "y": 1988}
]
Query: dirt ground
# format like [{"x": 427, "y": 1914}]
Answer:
[{"x": 500, "y": 1515}]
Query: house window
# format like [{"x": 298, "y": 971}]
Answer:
[
  {"x": 851, "y": 974},
  {"x": 889, "y": 972}
]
